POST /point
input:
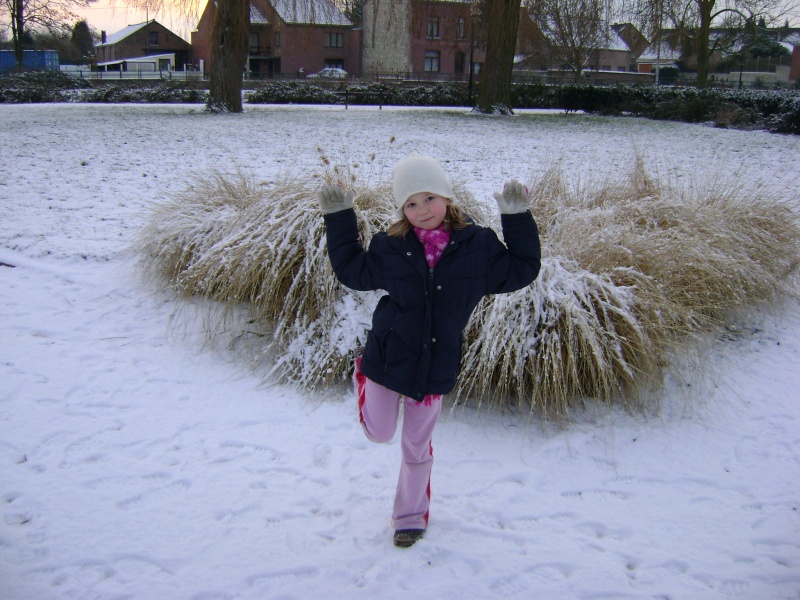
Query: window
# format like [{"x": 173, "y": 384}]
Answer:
[
  {"x": 460, "y": 28},
  {"x": 163, "y": 64},
  {"x": 432, "y": 61},
  {"x": 334, "y": 64},
  {"x": 459, "y": 66},
  {"x": 334, "y": 40},
  {"x": 253, "y": 43},
  {"x": 277, "y": 39},
  {"x": 433, "y": 27},
  {"x": 153, "y": 38}
]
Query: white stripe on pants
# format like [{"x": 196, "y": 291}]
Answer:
[{"x": 379, "y": 410}]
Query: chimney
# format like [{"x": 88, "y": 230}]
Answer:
[{"x": 103, "y": 37}]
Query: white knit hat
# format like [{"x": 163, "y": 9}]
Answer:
[{"x": 417, "y": 173}]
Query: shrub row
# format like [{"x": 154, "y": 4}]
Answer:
[
  {"x": 301, "y": 92},
  {"x": 38, "y": 86},
  {"x": 49, "y": 86},
  {"x": 777, "y": 111}
]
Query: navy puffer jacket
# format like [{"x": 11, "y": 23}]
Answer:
[{"x": 414, "y": 347}]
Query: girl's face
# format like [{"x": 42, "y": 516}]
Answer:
[{"x": 426, "y": 210}]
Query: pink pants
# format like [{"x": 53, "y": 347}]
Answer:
[{"x": 379, "y": 409}]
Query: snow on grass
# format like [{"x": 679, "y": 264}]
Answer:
[{"x": 137, "y": 462}]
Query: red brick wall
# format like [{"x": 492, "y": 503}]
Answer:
[
  {"x": 532, "y": 43},
  {"x": 201, "y": 37},
  {"x": 302, "y": 46},
  {"x": 794, "y": 68},
  {"x": 448, "y": 43}
]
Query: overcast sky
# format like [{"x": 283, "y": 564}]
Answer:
[{"x": 113, "y": 15}]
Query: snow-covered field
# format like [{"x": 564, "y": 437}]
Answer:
[{"x": 136, "y": 462}]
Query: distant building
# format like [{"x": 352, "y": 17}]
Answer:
[
  {"x": 34, "y": 60},
  {"x": 657, "y": 55},
  {"x": 426, "y": 38},
  {"x": 289, "y": 38},
  {"x": 622, "y": 45},
  {"x": 143, "y": 40},
  {"x": 142, "y": 64}
]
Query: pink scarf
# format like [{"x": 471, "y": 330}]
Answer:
[{"x": 434, "y": 241}]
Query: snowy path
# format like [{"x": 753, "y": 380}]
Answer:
[{"x": 134, "y": 463}]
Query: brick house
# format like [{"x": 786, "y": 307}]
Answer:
[
  {"x": 143, "y": 39},
  {"x": 289, "y": 38},
  {"x": 614, "y": 55},
  {"x": 536, "y": 52},
  {"x": 427, "y": 38}
]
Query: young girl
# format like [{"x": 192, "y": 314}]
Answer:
[{"x": 435, "y": 265}]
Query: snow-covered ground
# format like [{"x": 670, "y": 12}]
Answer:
[{"x": 136, "y": 462}]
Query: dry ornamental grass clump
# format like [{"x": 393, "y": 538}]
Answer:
[{"x": 632, "y": 272}]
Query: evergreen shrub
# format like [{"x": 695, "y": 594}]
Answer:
[
  {"x": 135, "y": 93},
  {"x": 774, "y": 110},
  {"x": 293, "y": 92},
  {"x": 38, "y": 86}
]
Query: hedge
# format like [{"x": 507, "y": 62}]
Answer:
[{"x": 776, "y": 111}]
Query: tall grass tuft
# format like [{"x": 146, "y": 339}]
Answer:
[{"x": 633, "y": 271}]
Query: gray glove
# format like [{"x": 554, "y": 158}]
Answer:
[
  {"x": 514, "y": 198},
  {"x": 333, "y": 199}
]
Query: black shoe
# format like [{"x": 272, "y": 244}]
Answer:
[{"x": 405, "y": 538}]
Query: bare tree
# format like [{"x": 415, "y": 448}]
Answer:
[
  {"x": 353, "y": 10},
  {"x": 694, "y": 20},
  {"x": 229, "y": 39},
  {"x": 74, "y": 47},
  {"x": 50, "y": 15},
  {"x": 500, "y": 25},
  {"x": 576, "y": 29}
]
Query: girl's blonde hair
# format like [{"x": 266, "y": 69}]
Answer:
[{"x": 454, "y": 219}]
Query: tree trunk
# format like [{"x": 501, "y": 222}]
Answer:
[
  {"x": 502, "y": 22},
  {"x": 17, "y": 31},
  {"x": 229, "y": 43},
  {"x": 703, "y": 41}
]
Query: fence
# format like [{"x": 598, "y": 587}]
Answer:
[
  {"x": 139, "y": 75},
  {"x": 765, "y": 64},
  {"x": 597, "y": 78}
]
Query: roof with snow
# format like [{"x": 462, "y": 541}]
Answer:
[
  {"x": 793, "y": 39},
  {"x": 666, "y": 52},
  {"x": 256, "y": 16},
  {"x": 318, "y": 12},
  {"x": 123, "y": 33},
  {"x": 615, "y": 42}
]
